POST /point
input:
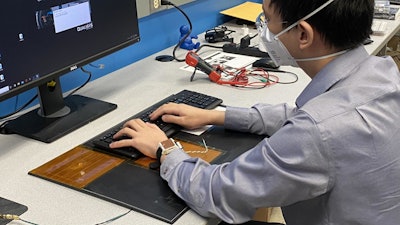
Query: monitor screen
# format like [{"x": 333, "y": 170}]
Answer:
[{"x": 43, "y": 39}]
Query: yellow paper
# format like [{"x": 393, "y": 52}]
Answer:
[{"x": 246, "y": 11}]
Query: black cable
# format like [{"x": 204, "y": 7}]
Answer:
[
  {"x": 84, "y": 84},
  {"x": 16, "y": 217},
  {"x": 98, "y": 66},
  {"x": 3, "y": 129},
  {"x": 254, "y": 36},
  {"x": 165, "y": 2},
  {"x": 35, "y": 97},
  {"x": 113, "y": 219},
  {"x": 16, "y": 103},
  {"x": 21, "y": 108},
  {"x": 296, "y": 77},
  {"x": 206, "y": 45}
]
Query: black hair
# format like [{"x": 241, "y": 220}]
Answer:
[{"x": 343, "y": 24}]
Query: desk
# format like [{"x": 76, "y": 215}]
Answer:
[
  {"x": 133, "y": 88},
  {"x": 378, "y": 47}
]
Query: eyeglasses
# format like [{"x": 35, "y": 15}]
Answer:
[{"x": 262, "y": 22}]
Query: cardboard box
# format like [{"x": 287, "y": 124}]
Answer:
[
  {"x": 396, "y": 57},
  {"x": 271, "y": 215},
  {"x": 393, "y": 43},
  {"x": 393, "y": 49}
]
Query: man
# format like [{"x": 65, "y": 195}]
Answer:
[{"x": 333, "y": 159}]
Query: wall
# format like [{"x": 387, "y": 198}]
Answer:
[
  {"x": 156, "y": 35},
  {"x": 146, "y": 7}
]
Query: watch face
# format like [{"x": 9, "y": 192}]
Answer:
[{"x": 168, "y": 144}]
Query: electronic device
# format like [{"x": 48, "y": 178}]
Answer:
[
  {"x": 265, "y": 63},
  {"x": 218, "y": 34},
  {"x": 43, "y": 40},
  {"x": 194, "y": 60},
  {"x": 250, "y": 51},
  {"x": 101, "y": 142},
  {"x": 244, "y": 48}
]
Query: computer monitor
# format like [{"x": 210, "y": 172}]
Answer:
[{"x": 41, "y": 40}]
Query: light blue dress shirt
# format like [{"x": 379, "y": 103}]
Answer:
[{"x": 332, "y": 160}]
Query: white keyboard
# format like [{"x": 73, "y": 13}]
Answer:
[{"x": 379, "y": 27}]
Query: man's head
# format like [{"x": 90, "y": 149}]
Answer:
[{"x": 343, "y": 24}]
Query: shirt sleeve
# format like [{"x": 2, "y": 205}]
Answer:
[
  {"x": 276, "y": 172},
  {"x": 263, "y": 119}
]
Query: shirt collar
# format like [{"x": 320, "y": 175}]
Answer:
[{"x": 335, "y": 71}]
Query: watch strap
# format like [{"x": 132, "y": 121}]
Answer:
[
  {"x": 158, "y": 155},
  {"x": 164, "y": 148},
  {"x": 155, "y": 165}
]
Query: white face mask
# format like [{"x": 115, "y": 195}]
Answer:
[{"x": 276, "y": 49}]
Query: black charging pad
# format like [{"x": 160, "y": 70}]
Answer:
[{"x": 165, "y": 58}]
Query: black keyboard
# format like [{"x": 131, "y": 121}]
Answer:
[{"x": 101, "y": 142}]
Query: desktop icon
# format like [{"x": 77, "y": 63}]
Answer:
[{"x": 21, "y": 36}]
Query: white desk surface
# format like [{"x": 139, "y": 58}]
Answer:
[
  {"x": 133, "y": 88},
  {"x": 393, "y": 27}
]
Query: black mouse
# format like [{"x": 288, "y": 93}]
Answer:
[
  {"x": 165, "y": 58},
  {"x": 265, "y": 63}
]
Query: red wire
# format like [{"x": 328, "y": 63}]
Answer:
[{"x": 241, "y": 77}]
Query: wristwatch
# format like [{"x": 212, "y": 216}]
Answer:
[{"x": 166, "y": 147}]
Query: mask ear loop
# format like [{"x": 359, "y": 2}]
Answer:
[{"x": 304, "y": 18}]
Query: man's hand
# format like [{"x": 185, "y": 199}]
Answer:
[
  {"x": 187, "y": 116},
  {"x": 142, "y": 136}
]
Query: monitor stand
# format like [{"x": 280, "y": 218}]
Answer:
[{"x": 57, "y": 116}]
